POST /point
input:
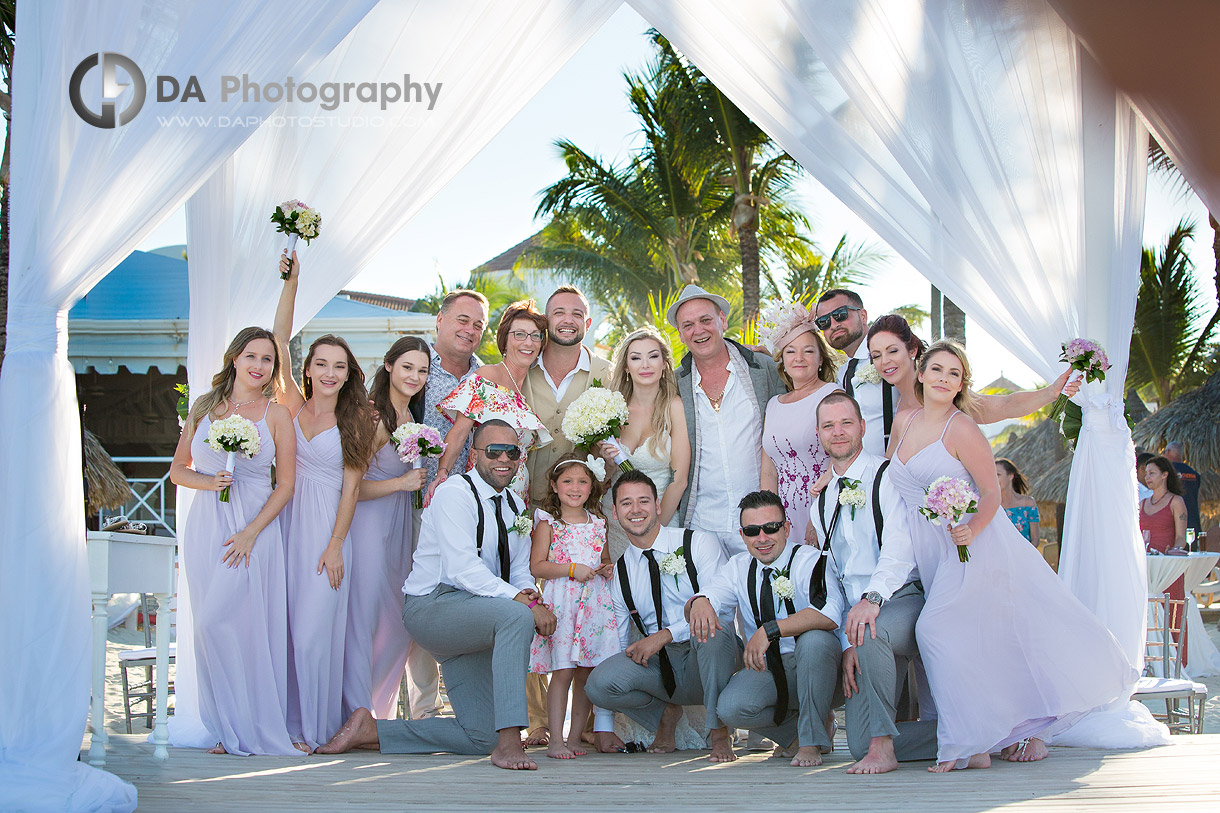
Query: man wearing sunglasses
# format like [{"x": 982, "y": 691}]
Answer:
[
  {"x": 664, "y": 669},
  {"x": 859, "y": 518},
  {"x": 471, "y": 602},
  {"x": 841, "y": 317},
  {"x": 787, "y": 687}
]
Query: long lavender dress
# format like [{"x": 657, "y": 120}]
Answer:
[
  {"x": 790, "y": 439},
  {"x": 375, "y": 651},
  {"x": 317, "y": 614},
  {"x": 1009, "y": 651},
  {"x": 241, "y": 625}
]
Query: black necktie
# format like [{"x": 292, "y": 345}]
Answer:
[
  {"x": 774, "y": 661},
  {"x": 834, "y": 518},
  {"x": 849, "y": 384},
  {"x": 502, "y": 539},
  {"x": 654, "y": 575}
]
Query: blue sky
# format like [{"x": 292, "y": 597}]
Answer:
[{"x": 489, "y": 206}]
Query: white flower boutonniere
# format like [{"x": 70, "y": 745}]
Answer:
[
  {"x": 852, "y": 495},
  {"x": 674, "y": 564},
  {"x": 523, "y": 524},
  {"x": 867, "y": 374},
  {"x": 782, "y": 587}
]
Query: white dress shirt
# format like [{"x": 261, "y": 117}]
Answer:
[
  {"x": 447, "y": 552},
  {"x": 868, "y": 396},
  {"x": 675, "y": 590},
  {"x": 730, "y": 589},
  {"x": 561, "y": 388},
  {"x": 729, "y": 465},
  {"x": 861, "y": 567}
]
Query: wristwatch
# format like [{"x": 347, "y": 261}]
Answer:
[{"x": 872, "y": 597}]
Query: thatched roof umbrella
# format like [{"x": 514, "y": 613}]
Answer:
[
  {"x": 1193, "y": 419},
  {"x": 108, "y": 488},
  {"x": 1036, "y": 451}
]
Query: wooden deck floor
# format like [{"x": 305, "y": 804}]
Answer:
[{"x": 1178, "y": 777}]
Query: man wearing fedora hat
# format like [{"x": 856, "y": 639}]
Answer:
[{"x": 725, "y": 388}]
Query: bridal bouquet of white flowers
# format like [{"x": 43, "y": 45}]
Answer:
[
  {"x": 597, "y": 415},
  {"x": 234, "y": 434},
  {"x": 297, "y": 220}
]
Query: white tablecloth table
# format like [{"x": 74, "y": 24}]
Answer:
[
  {"x": 129, "y": 563},
  {"x": 1202, "y": 656}
]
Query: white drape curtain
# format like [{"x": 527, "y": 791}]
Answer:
[
  {"x": 82, "y": 199},
  {"x": 979, "y": 142},
  {"x": 367, "y": 170}
]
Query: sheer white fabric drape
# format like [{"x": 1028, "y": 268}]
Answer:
[
  {"x": 977, "y": 141},
  {"x": 367, "y": 170},
  {"x": 82, "y": 199}
]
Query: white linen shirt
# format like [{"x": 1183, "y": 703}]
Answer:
[
  {"x": 729, "y": 465},
  {"x": 561, "y": 388},
  {"x": 730, "y": 589},
  {"x": 868, "y": 396},
  {"x": 861, "y": 568},
  {"x": 447, "y": 553},
  {"x": 675, "y": 590}
]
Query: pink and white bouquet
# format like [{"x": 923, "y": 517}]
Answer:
[
  {"x": 297, "y": 220},
  {"x": 1088, "y": 357},
  {"x": 597, "y": 415},
  {"x": 948, "y": 500},
  {"x": 414, "y": 442},
  {"x": 233, "y": 434}
]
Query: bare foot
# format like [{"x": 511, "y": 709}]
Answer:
[
  {"x": 1030, "y": 750},
  {"x": 608, "y": 742},
  {"x": 976, "y": 761},
  {"x": 360, "y": 731},
  {"x": 557, "y": 750},
  {"x": 589, "y": 738},
  {"x": 513, "y": 758},
  {"x": 538, "y": 736},
  {"x": 577, "y": 748},
  {"x": 303, "y": 747},
  {"x": 219, "y": 749},
  {"x": 722, "y": 747},
  {"x": 879, "y": 759},
  {"x": 807, "y": 757},
  {"x": 664, "y": 743},
  {"x": 786, "y": 753}
]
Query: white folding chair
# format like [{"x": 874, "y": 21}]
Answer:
[
  {"x": 143, "y": 691},
  {"x": 1166, "y": 646}
]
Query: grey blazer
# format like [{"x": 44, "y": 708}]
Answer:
[{"x": 764, "y": 376}]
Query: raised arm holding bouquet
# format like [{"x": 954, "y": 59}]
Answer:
[{"x": 296, "y": 220}]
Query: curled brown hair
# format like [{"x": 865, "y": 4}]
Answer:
[
  {"x": 222, "y": 382},
  {"x": 1174, "y": 481},
  {"x": 379, "y": 391},
  {"x": 551, "y": 503},
  {"x": 1019, "y": 484},
  {"x": 900, "y": 327},
  {"x": 352, "y": 410},
  {"x": 523, "y": 309}
]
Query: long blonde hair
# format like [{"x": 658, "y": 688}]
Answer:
[
  {"x": 967, "y": 400},
  {"x": 222, "y": 382},
  {"x": 667, "y": 389}
]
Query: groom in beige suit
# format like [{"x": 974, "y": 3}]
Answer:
[{"x": 562, "y": 372}]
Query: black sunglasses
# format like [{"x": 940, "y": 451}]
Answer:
[
  {"x": 769, "y": 527},
  {"x": 494, "y": 450},
  {"x": 840, "y": 315}
]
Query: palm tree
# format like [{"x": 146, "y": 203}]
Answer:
[{"x": 1168, "y": 350}]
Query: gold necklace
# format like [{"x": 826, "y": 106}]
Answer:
[{"x": 512, "y": 378}]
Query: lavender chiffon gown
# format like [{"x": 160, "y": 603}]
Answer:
[
  {"x": 1010, "y": 653},
  {"x": 241, "y": 625},
  {"x": 375, "y": 651},
  {"x": 317, "y": 614}
]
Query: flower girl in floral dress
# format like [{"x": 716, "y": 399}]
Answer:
[{"x": 569, "y": 551}]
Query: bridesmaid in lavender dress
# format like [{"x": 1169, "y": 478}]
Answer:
[
  {"x": 794, "y": 458},
  {"x": 1012, "y": 656},
  {"x": 383, "y": 540},
  {"x": 234, "y": 556},
  {"x": 334, "y": 434}
]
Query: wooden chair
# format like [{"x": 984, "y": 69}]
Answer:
[
  {"x": 1166, "y": 646},
  {"x": 143, "y": 691},
  {"x": 1209, "y": 589}
]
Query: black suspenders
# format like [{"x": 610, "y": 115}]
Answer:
[{"x": 478, "y": 501}]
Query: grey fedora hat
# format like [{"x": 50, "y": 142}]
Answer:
[{"x": 694, "y": 292}]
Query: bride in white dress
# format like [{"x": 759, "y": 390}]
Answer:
[{"x": 656, "y": 442}]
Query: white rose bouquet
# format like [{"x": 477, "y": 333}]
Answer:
[
  {"x": 781, "y": 585},
  {"x": 597, "y": 415},
  {"x": 297, "y": 220},
  {"x": 232, "y": 435}
]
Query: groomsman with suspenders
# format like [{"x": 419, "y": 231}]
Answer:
[
  {"x": 655, "y": 676},
  {"x": 786, "y": 691},
  {"x": 470, "y": 602},
  {"x": 862, "y": 525}
]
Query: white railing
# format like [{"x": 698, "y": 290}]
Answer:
[{"x": 149, "y": 496}]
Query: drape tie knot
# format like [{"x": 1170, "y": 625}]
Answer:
[{"x": 36, "y": 329}]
